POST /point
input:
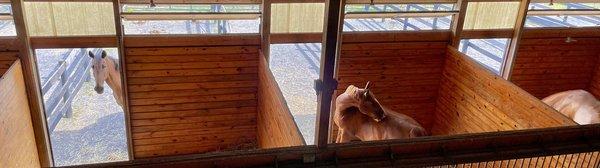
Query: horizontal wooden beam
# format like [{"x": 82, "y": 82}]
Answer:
[
  {"x": 190, "y": 40},
  {"x": 493, "y": 0},
  {"x": 481, "y": 34},
  {"x": 540, "y": 12},
  {"x": 67, "y": 0},
  {"x": 406, "y": 14},
  {"x": 282, "y": 38},
  {"x": 417, "y": 152},
  {"x": 587, "y": 32},
  {"x": 6, "y": 16},
  {"x": 8, "y": 43},
  {"x": 190, "y": 16},
  {"x": 73, "y": 42},
  {"x": 399, "y": 36},
  {"x": 191, "y": 1}
]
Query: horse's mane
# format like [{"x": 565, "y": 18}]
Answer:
[
  {"x": 351, "y": 90},
  {"x": 115, "y": 63}
]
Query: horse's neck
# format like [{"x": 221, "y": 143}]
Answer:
[{"x": 114, "y": 77}]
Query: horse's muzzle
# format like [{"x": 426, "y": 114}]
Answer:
[{"x": 99, "y": 90}]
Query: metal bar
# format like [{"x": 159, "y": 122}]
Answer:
[
  {"x": 559, "y": 12},
  {"x": 190, "y": 1},
  {"x": 355, "y": 15},
  {"x": 334, "y": 18},
  {"x": 400, "y": 2},
  {"x": 191, "y": 16}
]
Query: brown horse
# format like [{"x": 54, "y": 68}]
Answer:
[
  {"x": 107, "y": 69},
  {"x": 579, "y": 105},
  {"x": 360, "y": 116}
]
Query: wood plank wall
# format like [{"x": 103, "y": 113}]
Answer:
[
  {"x": 8, "y": 53},
  {"x": 192, "y": 94},
  {"x": 472, "y": 99},
  {"x": 546, "y": 63},
  {"x": 16, "y": 136},
  {"x": 276, "y": 125},
  {"x": 405, "y": 69}
]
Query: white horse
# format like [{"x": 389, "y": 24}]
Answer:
[
  {"x": 106, "y": 69},
  {"x": 579, "y": 105}
]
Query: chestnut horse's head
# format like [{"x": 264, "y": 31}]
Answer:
[
  {"x": 368, "y": 104},
  {"x": 100, "y": 71}
]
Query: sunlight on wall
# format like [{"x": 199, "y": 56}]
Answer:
[
  {"x": 297, "y": 17},
  {"x": 69, "y": 18},
  {"x": 491, "y": 15}
]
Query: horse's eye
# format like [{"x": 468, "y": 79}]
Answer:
[
  {"x": 103, "y": 66},
  {"x": 93, "y": 67}
]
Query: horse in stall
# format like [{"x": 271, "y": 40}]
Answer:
[
  {"x": 107, "y": 69},
  {"x": 579, "y": 105},
  {"x": 360, "y": 116}
]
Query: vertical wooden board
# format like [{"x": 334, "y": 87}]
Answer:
[
  {"x": 192, "y": 97},
  {"x": 551, "y": 64},
  {"x": 473, "y": 99},
  {"x": 276, "y": 125},
  {"x": 17, "y": 138}
]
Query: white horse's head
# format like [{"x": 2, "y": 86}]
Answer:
[{"x": 100, "y": 71}]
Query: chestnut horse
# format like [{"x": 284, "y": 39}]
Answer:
[
  {"x": 107, "y": 69},
  {"x": 360, "y": 116},
  {"x": 579, "y": 105}
]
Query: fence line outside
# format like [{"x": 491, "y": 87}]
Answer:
[{"x": 66, "y": 79}]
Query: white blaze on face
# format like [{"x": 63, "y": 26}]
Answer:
[{"x": 99, "y": 70}]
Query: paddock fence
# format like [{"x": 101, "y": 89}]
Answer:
[{"x": 63, "y": 84}]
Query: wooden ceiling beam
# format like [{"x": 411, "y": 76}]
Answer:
[{"x": 73, "y": 42}]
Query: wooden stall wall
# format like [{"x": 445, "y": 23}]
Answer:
[
  {"x": 8, "y": 53},
  {"x": 192, "y": 94},
  {"x": 404, "y": 67},
  {"x": 555, "y": 60},
  {"x": 276, "y": 125},
  {"x": 472, "y": 99},
  {"x": 17, "y": 141}
]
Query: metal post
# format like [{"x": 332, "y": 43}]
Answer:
[{"x": 327, "y": 82}]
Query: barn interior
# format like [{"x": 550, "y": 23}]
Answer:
[{"x": 200, "y": 85}]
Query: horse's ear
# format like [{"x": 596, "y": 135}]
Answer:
[
  {"x": 91, "y": 54},
  {"x": 103, "y": 53}
]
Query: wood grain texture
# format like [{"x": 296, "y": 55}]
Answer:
[
  {"x": 7, "y": 58},
  {"x": 187, "y": 96},
  {"x": 473, "y": 99},
  {"x": 276, "y": 125},
  {"x": 17, "y": 138},
  {"x": 547, "y": 64},
  {"x": 405, "y": 72}
]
